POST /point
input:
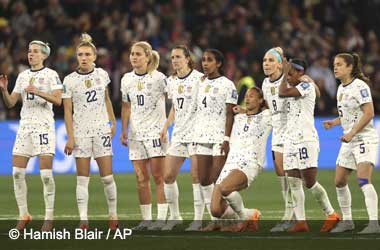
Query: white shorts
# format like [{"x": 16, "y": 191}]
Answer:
[
  {"x": 181, "y": 149},
  {"x": 208, "y": 149},
  {"x": 96, "y": 146},
  {"x": 353, "y": 153},
  {"x": 35, "y": 139},
  {"x": 277, "y": 141},
  {"x": 140, "y": 150},
  {"x": 250, "y": 169},
  {"x": 278, "y": 148},
  {"x": 301, "y": 156}
]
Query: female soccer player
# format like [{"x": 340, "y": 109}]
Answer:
[
  {"x": 143, "y": 110},
  {"x": 301, "y": 145},
  {"x": 359, "y": 142},
  {"x": 214, "y": 118},
  {"x": 88, "y": 128},
  {"x": 38, "y": 88},
  {"x": 244, "y": 162},
  {"x": 182, "y": 90}
]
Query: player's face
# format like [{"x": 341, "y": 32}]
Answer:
[
  {"x": 86, "y": 58},
  {"x": 294, "y": 76},
  {"x": 341, "y": 69},
  {"x": 138, "y": 57},
  {"x": 252, "y": 100},
  {"x": 35, "y": 55},
  {"x": 209, "y": 64},
  {"x": 270, "y": 64},
  {"x": 179, "y": 60}
]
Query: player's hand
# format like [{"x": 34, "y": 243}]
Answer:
[
  {"x": 113, "y": 129},
  {"x": 32, "y": 89},
  {"x": 225, "y": 148},
  {"x": 347, "y": 137},
  {"x": 328, "y": 124},
  {"x": 3, "y": 82},
  {"x": 164, "y": 135},
  {"x": 124, "y": 138},
  {"x": 69, "y": 146},
  {"x": 238, "y": 109}
]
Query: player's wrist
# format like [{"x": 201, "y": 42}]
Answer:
[{"x": 226, "y": 138}]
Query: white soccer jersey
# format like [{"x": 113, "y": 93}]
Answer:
[
  {"x": 146, "y": 95},
  {"x": 213, "y": 95},
  {"x": 249, "y": 137},
  {"x": 300, "y": 115},
  {"x": 87, "y": 92},
  {"x": 276, "y": 107},
  {"x": 350, "y": 98},
  {"x": 183, "y": 92},
  {"x": 35, "y": 109}
]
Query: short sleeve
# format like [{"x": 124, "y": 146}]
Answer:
[
  {"x": 55, "y": 83},
  {"x": 67, "y": 92},
  {"x": 363, "y": 93},
  {"x": 163, "y": 84},
  {"x": 105, "y": 77},
  {"x": 168, "y": 87},
  {"x": 232, "y": 95},
  {"x": 305, "y": 88},
  {"x": 124, "y": 90},
  {"x": 17, "y": 88}
]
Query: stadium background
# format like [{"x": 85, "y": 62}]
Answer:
[{"x": 242, "y": 30}]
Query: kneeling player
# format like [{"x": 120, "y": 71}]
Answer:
[{"x": 245, "y": 160}]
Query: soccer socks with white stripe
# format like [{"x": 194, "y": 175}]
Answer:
[
  {"x": 320, "y": 195},
  {"x": 20, "y": 189},
  {"x": 171, "y": 195},
  {"x": 110, "y": 192},
  {"x": 199, "y": 205},
  {"x": 162, "y": 211},
  {"x": 236, "y": 203},
  {"x": 296, "y": 188},
  {"x": 371, "y": 199},
  {"x": 207, "y": 194},
  {"x": 286, "y": 195},
  {"x": 82, "y": 196},
  {"x": 49, "y": 192},
  {"x": 146, "y": 211},
  {"x": 344, "y": 200}
]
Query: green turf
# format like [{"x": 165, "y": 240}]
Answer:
[{"x": 263, "y": 194}]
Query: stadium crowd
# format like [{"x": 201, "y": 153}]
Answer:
[{"x": 242, "y": 30}]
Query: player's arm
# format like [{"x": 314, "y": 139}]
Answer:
[
  {"x": 111, "y": 114},
  {"x": 284, "y": 89},
  {"x": 331, "y": 123},
  {"x": 306, "y": 78},
  {"x": 168, "y": 122},
  {"x": 228, "y": 127},
  {"x": 368, "y": 114},
  {"x": 10, "y": 100},
  {"x": 55, "y": 97},
  {"x": 68, "y": 116},
  {"x": 125, "y": 115}
]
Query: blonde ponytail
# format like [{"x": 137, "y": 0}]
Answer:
[
  {"x": 153, "y": 56},
  {"x": 86, "y": 41}
]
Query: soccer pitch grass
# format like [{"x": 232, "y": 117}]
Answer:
[{"x": 264, "y": 194}]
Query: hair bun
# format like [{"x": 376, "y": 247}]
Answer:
[{"x": 85, "y": 38}]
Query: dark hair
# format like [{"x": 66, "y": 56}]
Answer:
[
  {"x": 298, "y": 64},
  {"x": 218, "y": 57},
  {"x": 187, "y": 54},
  {"x": 261, "y": 96},
  {"x": 354, "y": 60}
]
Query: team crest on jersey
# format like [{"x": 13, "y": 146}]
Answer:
[
  {"x": 140, "y": 86},
  {"x": 32, "y": 80},
  {"x": 87, "y": 83},
  {"x": 207, "y": 88},
  {"x": 364, "y": 93},
  {"x": 249, "y": 119},
  {"x": 273, "y": 90},
  {"x": 180, "y": 89}
]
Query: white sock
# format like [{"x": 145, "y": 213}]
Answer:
[
  {"x": 146, "y": 211},
  {"x": 21, "y": 190},
  {"x": 82, "y": 196},
  {"x": 162, "y": 211},
  {"x": 110, "y": 192},
  {"x": 295, "y": 185},
  {"x": 171, "y": 195},
  {"x": 207, "y": 194},
  {"x": 236, "y": 202},
  {"x": 344, "y": 200},
  {"x": 49, "y": 192},
  {"x": 322, "y": 198},
  {"x": 370, "y": 196},
  {"x": 199, "y": 205},
  {"x": 286, "y": 195}
]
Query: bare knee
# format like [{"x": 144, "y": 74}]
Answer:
[
  {"x": 216, "y": 210},
  {"x": 169, "y": 178},
  {"x": 340, "y": 182},
  {"x": 225, "y": 191},
  {"x": 158, "y": 179},
  {"x": 142, "y": 181}
]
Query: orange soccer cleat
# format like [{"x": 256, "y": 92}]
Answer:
[
  {"x": 330, "y": 222},
  {"x": 249, "y": 225},
  {"x": 300, "y": 226},
  {"x": 23, "y": 221},
  {"x": 113, "y": 223}
]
